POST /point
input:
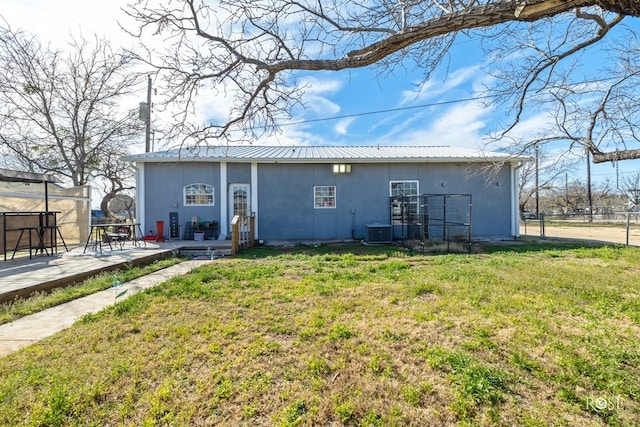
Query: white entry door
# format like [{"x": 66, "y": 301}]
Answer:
[{"x": 239, "y": 201}]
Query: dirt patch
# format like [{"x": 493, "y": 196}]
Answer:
[{"x": 609, "y": 234}]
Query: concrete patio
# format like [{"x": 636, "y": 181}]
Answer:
[{"x": 22, "y": 276}]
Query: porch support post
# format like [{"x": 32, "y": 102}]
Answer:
[
  {"x": 515, "y": 199},
  {"x": 224, "y": 198},
  {"x": 254, "y": 196},
  {"x": 140, "y": 197}
]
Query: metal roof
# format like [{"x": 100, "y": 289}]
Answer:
[{"x": 322, "y": 154}]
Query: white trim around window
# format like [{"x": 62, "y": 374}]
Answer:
[
  {"x": 324, "y": 197},
  {"x": 199, "y": 194},
  {"x": 404, "y": 188},
  {"x": 399, "y": 189}
]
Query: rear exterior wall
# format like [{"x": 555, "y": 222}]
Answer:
[
  {"x": 286, "y": 203},
  {"x": 285, "y": 195}
]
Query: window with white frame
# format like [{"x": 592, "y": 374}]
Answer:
[
  {"x": 198, "y": 195},
  {"x": 404, "y": 200},
  {"x": 324, "y": 196}
]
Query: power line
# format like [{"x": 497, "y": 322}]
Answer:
[
  {"x": 414, "y": 107},
  {"x": 391, "y": 110}
]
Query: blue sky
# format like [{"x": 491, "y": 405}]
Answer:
[{"x": 437, "y": 118}]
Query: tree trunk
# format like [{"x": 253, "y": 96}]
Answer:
[{"x": 104, "y": 204}]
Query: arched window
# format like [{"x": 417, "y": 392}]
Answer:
[{"x": 198, "y": 195}]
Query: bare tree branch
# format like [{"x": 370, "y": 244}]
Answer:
[
  {"x": 253, "y": 49},
  {"x": 631, "y": 185},
  {"x": 60, "y": 113}
]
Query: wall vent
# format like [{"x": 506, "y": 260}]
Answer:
[{"x": 377, "y": 233}]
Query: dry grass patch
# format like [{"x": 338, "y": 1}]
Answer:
[{"x": 359, "y": 336}]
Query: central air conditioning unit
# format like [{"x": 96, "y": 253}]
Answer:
[{"x": 378, "y": 233}]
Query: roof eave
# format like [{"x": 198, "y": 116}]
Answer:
[{"x": 327, "y": 160}]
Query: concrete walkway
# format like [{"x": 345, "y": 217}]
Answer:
[
  {"x": 35, "y": 327},
  {"x": 23, "y": 276}
]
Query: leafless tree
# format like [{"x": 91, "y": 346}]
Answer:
[
  {"x": 117, "y": 179},
  {"x": 550, "y": 167},
  {"x": 573, "y": 199},
  {"x": 598, "y": 111},
  {"x": 253, "y": 49},
  {"x": 631, "y": 186},
  {"x": 123, "y": 205},
  {"x": 60, "y": 112}
]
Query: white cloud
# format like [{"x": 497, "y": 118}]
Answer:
[
  {"x": 434, "y": 87},
  {"x": 462, "y": 125},
  {"x": 341, "y": 128},
  {"x": 56, "y": 22},
  {"x": 300, "y": 134},
  {"x": 533, "y": 126},
  {"x": 316, "y": 93},
  {"x": 214, "y": 104},
  {"x": 317, "y": 86}
]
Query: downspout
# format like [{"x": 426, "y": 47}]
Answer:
[{"x": 515, "y": 199}]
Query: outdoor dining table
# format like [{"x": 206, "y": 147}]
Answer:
[
  {"x": 116, "y": 233},
  {"x": 35, "y": 231}
]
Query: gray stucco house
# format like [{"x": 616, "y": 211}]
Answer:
[{"x": 307, "y": 193}]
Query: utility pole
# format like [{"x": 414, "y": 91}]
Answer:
[
  {"x": 537, "y": 182},
  {"x": 566, "y": 191},
  {"x": 147, "y": 119},
  {"x": 589, "y": 186}
]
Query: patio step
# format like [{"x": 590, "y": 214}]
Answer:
[{"x": 210, "y": 251}]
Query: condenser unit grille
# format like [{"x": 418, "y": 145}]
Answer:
[{"x": 377, "y": 233}]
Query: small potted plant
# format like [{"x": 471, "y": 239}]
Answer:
[{"x": 198, "y": 233}]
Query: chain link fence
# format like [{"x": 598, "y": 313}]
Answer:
[{"x": 617, "y": 227}]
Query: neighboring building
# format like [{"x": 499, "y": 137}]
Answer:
[
  {"x": 30, "y": 192},
  {"x": 306, "y": 193}
]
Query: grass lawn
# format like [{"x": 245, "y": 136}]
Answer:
[
  {"x": 39, "y": 301},
  {"x": 351, "y": 335}
]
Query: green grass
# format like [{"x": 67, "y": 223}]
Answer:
[
  {"x": 39, "y": 301},
  {"x": 523, "y": 335}
]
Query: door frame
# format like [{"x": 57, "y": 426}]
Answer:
[{"x": 234, "y": 187}]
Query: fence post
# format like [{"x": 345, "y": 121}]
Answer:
[
  {"x": 628, "y": 226},
  {"x": 542, "y": 232},
  {"x": 235, "y": 234}
]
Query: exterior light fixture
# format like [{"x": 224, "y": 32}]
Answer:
[{"x": 341, "y": 168}]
